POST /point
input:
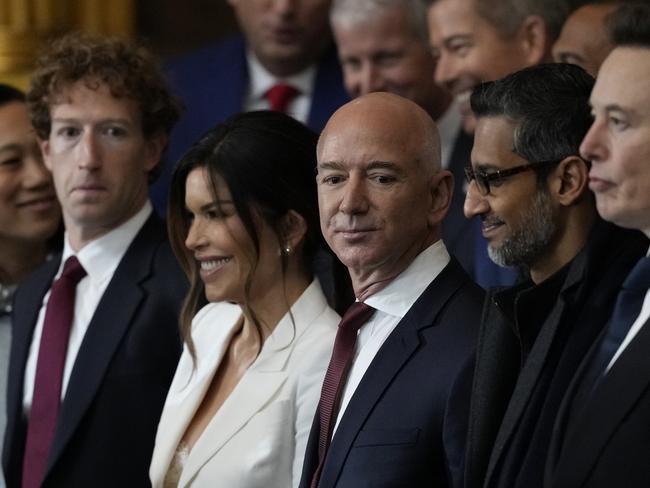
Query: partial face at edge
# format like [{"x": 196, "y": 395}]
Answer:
[{"x": 618, "y": 142}]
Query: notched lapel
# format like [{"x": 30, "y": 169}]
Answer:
[
  {"x": 399, "y": 347},
  {"x": 611, "y": 402},
  {"x": 111, "y": 320}
]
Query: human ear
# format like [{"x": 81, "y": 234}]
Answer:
[
  {"x": 441, "y": 189},
  {"x": 570, "y": 180},
  {"x": 533, "y": 40},
  {"x": 45, "y": 151},
  {"x": 293, "y": 229}
]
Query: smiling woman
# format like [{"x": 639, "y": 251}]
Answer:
[{"x": 243, "y": 221}]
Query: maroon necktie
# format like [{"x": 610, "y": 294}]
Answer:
[
  {"x": 337, "y": 372},
  {"x": 280, "y": 96},
  {"x": 49, "y": 372}
]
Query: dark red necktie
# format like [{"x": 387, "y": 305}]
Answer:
[
  {"x": 337, "y": 372},
  {"x": 280, "y": 96},
  {"x": 49, "y": 372}
]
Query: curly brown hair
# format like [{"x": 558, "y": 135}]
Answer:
[{"x": 128, "y": 69}]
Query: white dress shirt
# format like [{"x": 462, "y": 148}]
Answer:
[
  {"x": 391, "y": 304},
  {"x": 260, "y": 81},
  {"x": 643, "y": 317},
  {"x": 100, "y": 259}
]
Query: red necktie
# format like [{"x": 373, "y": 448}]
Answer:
[
  {"x": 337, "y": 372},
  {"x": 280, "y": 96},
  {"x": 49, "y": 372}
]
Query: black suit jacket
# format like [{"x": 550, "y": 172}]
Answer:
[
  {"x": 504, "y": 388},
  {"x": 391, "y": 432},
  {"x": 606, "y": 443},
  {"x": 108, "y": 418}
]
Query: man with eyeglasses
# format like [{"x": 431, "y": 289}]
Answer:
[{"x": 528, "y": 185}]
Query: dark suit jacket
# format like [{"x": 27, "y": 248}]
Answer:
[
  {"x": 391, "y": 432},
  {"x": 609, "y": 443},
  {"x": 108, "y": 418},
  {"x": 511, "y": 400},
  {"x": 212, "y": 84}
]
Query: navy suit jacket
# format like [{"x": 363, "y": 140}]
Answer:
[
  {"x": 391, "y": 432},
  {"x": 108, "y": 418},
  {"x": 212, "y": 84}
]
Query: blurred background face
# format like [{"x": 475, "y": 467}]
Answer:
[
  {"x": 583, "y": 40},
  {"x": 469, "y": 50},
  {"x": 384, "y": 53},
  {"x": 29, "y": 210},
  {"x": 223, "y": 249},
  {"x": 285, "y": 35},
  {"x": 618, "y": 143}
]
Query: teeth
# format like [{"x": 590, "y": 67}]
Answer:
[{"x": 210, "y": 265}]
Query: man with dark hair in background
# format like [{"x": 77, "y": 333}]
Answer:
[{"x": 284, "y": 60}]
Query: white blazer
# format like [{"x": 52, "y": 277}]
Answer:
[{"x": 258, "y": 437}]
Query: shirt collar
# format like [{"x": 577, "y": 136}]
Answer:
[
  {"x": 261, "y": 80},
  {"x": 400, "y": 294},
  {"x": 100, "y": 257}
]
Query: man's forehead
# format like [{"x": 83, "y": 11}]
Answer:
[{"x": 623, "y": 79}]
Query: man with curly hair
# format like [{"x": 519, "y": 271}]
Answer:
[{"x": 95, "y": 342}]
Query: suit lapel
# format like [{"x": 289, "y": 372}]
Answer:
[
  {"x": 608, "y": 406},
  {"x": 111, "y": 321},
  {"x": 23, "y": 323},
  {"x": 257, "y": 387},
  {"x": 400, "y": 345}
]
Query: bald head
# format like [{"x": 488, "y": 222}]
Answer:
[
  {"x": 400, "y": 122},
  {"x": 381, "y": 193}
]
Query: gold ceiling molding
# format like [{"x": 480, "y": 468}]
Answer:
[{"x": 26, "y": 25}]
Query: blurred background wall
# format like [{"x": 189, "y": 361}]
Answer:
[{"x": 169, "y": 27}]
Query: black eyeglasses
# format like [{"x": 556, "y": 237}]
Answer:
[{"x": 484, "y": 178}]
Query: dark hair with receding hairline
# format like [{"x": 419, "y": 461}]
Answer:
[
  {"x": 629, "y": 25},
  {"x": 549, "y": 105}
]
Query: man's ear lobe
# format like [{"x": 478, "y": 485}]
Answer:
[
  {"x": 442, "y": 187},
  {"x": 571, "y": 180},
  {"x": 45, "y": 151},
  {"x": 534, "y": 40}
]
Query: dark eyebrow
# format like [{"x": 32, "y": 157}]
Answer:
[
  {"x": 12, "y": 146},
  {"x": 215, "y": 205}
]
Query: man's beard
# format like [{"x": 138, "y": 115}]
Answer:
[{"x": 527, "y": 243}]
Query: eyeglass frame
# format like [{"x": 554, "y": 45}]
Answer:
[{"x": 483, "y": 178}]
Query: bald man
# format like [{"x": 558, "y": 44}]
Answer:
[
  {"x": 382, "y": 198},
  {"x": 584, "y": 40}
]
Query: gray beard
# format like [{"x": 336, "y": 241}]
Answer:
[{"x": 532, "y": 238}]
